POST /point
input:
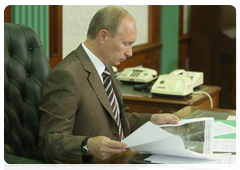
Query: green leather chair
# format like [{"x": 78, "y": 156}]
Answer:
[{"x": 25, "y": 69}]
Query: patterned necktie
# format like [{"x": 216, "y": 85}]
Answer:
[{"x": 111, "y": 96}]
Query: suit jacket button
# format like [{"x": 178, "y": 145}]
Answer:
[{"x": 116, "y": 134}]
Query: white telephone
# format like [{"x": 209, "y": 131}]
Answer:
[
  {"x": 178, "y": 83},
  {"x": 138, "y": 75},
  {"x": 196, "y": 77}
]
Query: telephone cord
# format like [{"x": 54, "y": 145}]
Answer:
[{"x": 210, "y": 98}]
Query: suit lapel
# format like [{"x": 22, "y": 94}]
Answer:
[
  {"x": 99, "y": 89},
  {"x": 94, "y": 79}
]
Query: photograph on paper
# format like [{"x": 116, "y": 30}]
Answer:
[{"x": 192, "y": 135}]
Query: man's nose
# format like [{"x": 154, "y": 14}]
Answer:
[{"x": 129, "y": 52}]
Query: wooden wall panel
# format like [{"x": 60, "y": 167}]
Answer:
[
  {"x": 145, "y": 55},
  {"x": 213, "y": 53},
  {"x": 184, "y": 41},
  {"x": 55, "y": 34},
  {"x": 7, "y": 14},
  {"x": 148, "y": 55}
]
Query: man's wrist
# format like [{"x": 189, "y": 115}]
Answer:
[{"x": 84, "y": 147}]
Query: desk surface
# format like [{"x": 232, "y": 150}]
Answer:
[
  {"x": 188, "y": 111},
  {"x": 145, "y": 102},
  {"x": 128, "y": 155},
  {"x": 129, "y": 93}
]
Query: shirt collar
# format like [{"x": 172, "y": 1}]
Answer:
[{"x": 98, "y": 64}]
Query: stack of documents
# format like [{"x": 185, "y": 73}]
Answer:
[
  {"x": 224, "y": 136},
  {"x": 190, "y": 141}
]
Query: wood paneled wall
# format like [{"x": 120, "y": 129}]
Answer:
[
  {"x": 55, "y": 34},
  {"x": 7, "y": 14},
  {"x": 213, "y": 53},
  {"x": 184, "y": 41},
  {"x": 148, "y": 55}
]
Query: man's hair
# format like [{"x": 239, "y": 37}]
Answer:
[{"x": 109, "y": 18}]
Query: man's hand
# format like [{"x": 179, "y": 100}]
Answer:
[
  {"x": 159, "y": 119},
  {"x": 103, "y": 148}
]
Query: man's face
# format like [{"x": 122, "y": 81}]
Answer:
[{"x": 119, "y": 47}]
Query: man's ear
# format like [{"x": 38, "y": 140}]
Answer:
[{"x": 102, "y": 35}]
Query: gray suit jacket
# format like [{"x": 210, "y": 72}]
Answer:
[{"x": 74, "y": 105}]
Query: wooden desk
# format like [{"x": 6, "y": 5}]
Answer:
[
  {"x": 187, "y": 111},
  {"x": 145, "y": 102},
  {"x": 128, "y": 155}
]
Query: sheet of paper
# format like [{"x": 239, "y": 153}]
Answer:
[
  {"x": 147, "y": 133},
  {"x": 185, "y": 121},
  {"x": 224, "y": 145},
  {"x": 151, "y": 138},
  {"x": 231, "y": 118},
  {"x": 222, "y": 129},
  {"x": 222, "y": 159},
  {"x": 196, "y": 133}
]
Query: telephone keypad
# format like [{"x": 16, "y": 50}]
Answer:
[{"x": 135, "y": 73}]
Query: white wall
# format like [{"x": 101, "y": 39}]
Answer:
[{"x": 76, "y": 19}]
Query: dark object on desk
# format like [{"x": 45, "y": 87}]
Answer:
[
  {"x": 146, "y": 87},
  {"x": 138, "y": 163},
  {"x": 25, "y": 68},
  {"x": 135, "y": 164},
  {"x": 147, "y": 163}
]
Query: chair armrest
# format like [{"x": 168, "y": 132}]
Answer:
[{"x": 13, "y": 162}]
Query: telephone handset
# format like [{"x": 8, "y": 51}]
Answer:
[
  {"x": 178, "y": 83},
  {"x": 138, "y": 75},
  {"x": 178, "y": 71},
  {"x": 196, "y": 77}
]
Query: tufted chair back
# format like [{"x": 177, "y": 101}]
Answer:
[{"x": 25, "y": 69}]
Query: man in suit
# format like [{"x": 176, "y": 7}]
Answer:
[{"x": 78, "y": 123}]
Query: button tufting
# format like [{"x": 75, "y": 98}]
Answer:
[{"x": 21, "y": 93}]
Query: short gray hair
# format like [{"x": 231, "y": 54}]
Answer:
[{"x": 109, "y": 18}]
